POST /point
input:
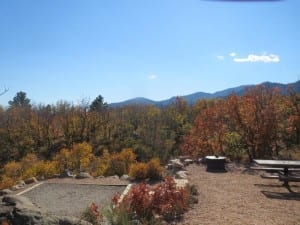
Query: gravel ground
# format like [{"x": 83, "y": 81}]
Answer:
[
  {"x": 71, "y": 198},
  {"x": 241, "y": 196}
]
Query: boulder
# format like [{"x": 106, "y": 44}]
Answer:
[
  {"x": 169, "y": 166},
  {"x": 187, "y": 162},
  {"x": 181, "y": 174},
  {"x": 5, "y": 192},
  {"x": 66, "y": 174},
  {"x": 20, "y": 211},
  {"x": 114, "y": 177},
  {"x": 83, "y": 175},
  {"x": 176, "y": 163},
  {"x": 17, "y": 200},
  {"x": 125, "y": 177},
  {"x": 21, "y": 183},
  {"x": 17, "y": 187},
  {"x": 31, "y": 180}
]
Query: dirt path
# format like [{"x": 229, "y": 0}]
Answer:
[{"x": 238, "y": 197}]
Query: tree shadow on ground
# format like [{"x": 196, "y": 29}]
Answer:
[
  {"x": 289, "y": 195},
  {"x": 288, "y": 187},
  {"x": 269, "y": 185},
  {"x": 250, "y": 171},
  {"x": 284, "y": 196}
]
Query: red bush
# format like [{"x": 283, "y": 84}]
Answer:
[
  {"x": 165, "y": 200},
  {"x": 140, "y": 201},
  {"x": 170, "y": 201}
]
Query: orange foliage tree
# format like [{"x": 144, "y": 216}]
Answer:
[
  {"x": 207, "y": 135},
  {"x": 256, "y": 117}
]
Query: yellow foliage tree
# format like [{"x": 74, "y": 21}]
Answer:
[
  {"x": 120, "y": 163},
  {"x": 81, "y": 156},
  {"x": 13, "y": 170},
  {"x": 6, "y": 182},
  {"x": 128, "y": 156},
  {"x": 62, "y": 160},
  {"x": 99, "y": 165},
  {"x": 154, "y": 169},
  {"x": 41, "y": 169},
  {"x": 28, "y": 161},
  {"x": 138, "y": 171}
]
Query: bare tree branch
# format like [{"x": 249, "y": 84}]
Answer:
[{"x": 4, "y": 91}]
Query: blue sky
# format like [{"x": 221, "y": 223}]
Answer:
[{"x": 74, "y": 49}]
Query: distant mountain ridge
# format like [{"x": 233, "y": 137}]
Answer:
[{"x": 193, "y": 98}]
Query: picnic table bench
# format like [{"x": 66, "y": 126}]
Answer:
[{"x": 283, "y": 168}]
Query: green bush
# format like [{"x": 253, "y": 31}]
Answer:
[{"x": 117, "y": 215}]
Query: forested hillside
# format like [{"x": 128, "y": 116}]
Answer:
[
  {"x": 260, "y": 123},
  {"x": 193, "y": 98}
]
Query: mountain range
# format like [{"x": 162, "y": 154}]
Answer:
[{"x": 193, "y": 98}]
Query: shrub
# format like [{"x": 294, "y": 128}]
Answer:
[
  {"x": 100, "y": 165},
  {"x": 13, "y": 170},
  {"x": 128, "y": 156},
  {"x": 193, "y": 194},
  {"x": 154, "y": 169},
  {"x": 28, "y": 161},
  {"x": 62, "y": 160},
  {"x": 119, "y": 163},
  {"x": 6, "y": 182},
  {"x": 96, "y": 167},
  {"x": 117, "y": 215},
  {"x": 139, "y": 201},
  {"x": 192, "y": 189},
  {"x": 146, "y": 204},
  {"x": 138, "y": 171},
  {"x": 234, "y": 148},
  {"x": 116, "y": 166},
  {"x": 169, "y": 201},
  {"x": 92, "y": 215},
  {"x": 46, "y": 169},
  {"x": 80, "y": 156}
]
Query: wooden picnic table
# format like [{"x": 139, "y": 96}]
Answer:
[
  {"x": 278, "y": 163},
  {"x": 283, "y": 167}
]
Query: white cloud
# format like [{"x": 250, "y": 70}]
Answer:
[
  {"x": 271, "y": 58},
  {"x": 232, "y": 54},
  {"x": 152, "y": 77},
  {"x": 220, "y": 57}
]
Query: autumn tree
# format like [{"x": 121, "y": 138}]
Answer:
[
  {"x": 177, "y": 123},
  {"x": 80, "y": 156},
  {"x": 207, "y": 135},
  {"x": 99, "y": 127},
  {"x": 256, "y": 119},
  {"x": 18, "y": 126},
  {"x": 292, "y": 113}
]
